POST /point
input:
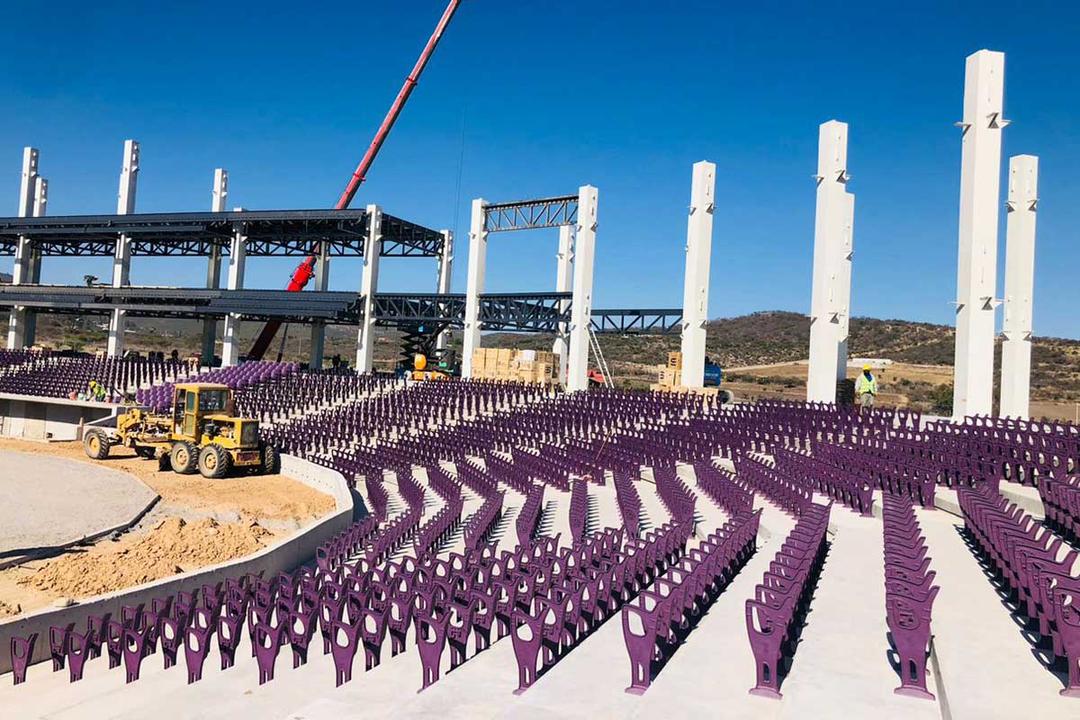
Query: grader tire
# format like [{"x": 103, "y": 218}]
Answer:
[
  {"x": 214, "y": 462},
  {"x": 183, "y": 457},
  {"x": 96, "y": 444},
  {"x": 271, "y": 461}
]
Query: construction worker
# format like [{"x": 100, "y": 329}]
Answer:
[
  {"x": 866, "y": 387},
  {"x": 96, "y": 391}
]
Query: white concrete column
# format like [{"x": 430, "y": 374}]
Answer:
[
  {"x": 218, "y": 196},
  {"x": 474, "y": 286},
  {"x": 699, "y": 230},
  {"x": 445, "y": 274},
  {"x": 24, "y": 250},
  {"x": 1019, "y": 286},
  {"x": 318, "y": 328},
  {"x": 980, "y": 167},
  {"x": 831, "y": 288},
  {"x": 41, "y": 197},
  {"x": 121, "y": 274},
  {"x": 369, "y": 286},
  {"x": 230, "y": 345},
  {"x": 564, "y": 273},
  {"x": 581, "y": 308},
  {"x": 843, "y": 286}
]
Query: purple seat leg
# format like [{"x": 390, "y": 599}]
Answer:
[
  {"x": 267, "y": 646},
  {"x": 22, "y": 650}
]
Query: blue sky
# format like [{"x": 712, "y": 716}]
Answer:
[{"x": 552, "y": 95}]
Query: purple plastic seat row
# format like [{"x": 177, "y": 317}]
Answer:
[
  {"x": 783, "y": 595},
  {"x": 909, "y": 594},
  {"x": 654, "y": 621}
]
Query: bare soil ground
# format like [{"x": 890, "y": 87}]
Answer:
[{"x": 196, "y": 523}]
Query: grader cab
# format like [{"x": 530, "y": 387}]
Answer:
[{"x": 202, "y": 434}]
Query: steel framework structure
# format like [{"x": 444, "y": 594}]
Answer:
[
  {"x": 523, "y": 312},
  {"x": 279, "y": 233},
  {"x": 515, "y": 312},
  {"x": 637, "y": 321},
  {"x": 531, "y": 214}
]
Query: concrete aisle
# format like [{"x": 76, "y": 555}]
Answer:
[
  {"x": 988, "y": 668},
  {"x": 841, "y": 666}
]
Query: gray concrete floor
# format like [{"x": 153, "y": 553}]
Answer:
[
  {"x": 839, "y": 671},
  {"x": 47, "y": 501}
]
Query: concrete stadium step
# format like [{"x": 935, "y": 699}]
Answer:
[
  {"x": 591, "y": 677},
  {"x": 603, "y": 507},
  {"x": 651, "y": 505},
  {"x": 845, "y": 641},
  {"x": 555, "y": 518},
  {"x": 708, "y": 514},
  {"x": 985, "y": 660}
]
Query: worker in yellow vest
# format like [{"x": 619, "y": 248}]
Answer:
[{"x": 866, "y": 387}]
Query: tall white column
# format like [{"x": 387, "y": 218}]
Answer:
[
  {"x": 230, "y": 344},
  {"x": 1019, "y": 286},
  {"x": 564, "y": 273},
  {"x": 24, "y": 250},
  {"x": 699, "y": 230},
  {"x": 843, "y": 286},
  {"x": 474, "y": 285},
  {"x": 369, "y": 286},
  {"x": 581, "y": 308},
  {"x": 218, "y": 196},
  {"x": 980, "y": 167},
  {"x": 318, "y": 328},
  {"x": 125, "y": 204},
  {"x": 445, "y": 274},
  {"x": 830, "y": 295},
  {"x": 41, "y": 197}
]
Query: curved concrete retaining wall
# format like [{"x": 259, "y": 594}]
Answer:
[{"x": 283, "y": 556}]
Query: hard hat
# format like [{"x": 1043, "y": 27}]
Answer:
[{"x": 865, "y": 367}]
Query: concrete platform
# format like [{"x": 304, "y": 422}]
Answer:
[
  {"x": 841, "y": 669},
  {"x": 50, "y": 502}
]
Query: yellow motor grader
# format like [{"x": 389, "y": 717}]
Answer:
[{"x": 201, "y": 435}]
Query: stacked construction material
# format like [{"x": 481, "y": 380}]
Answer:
[
  {"x": 527, "y": 366},
  {"x": 669, "y": 375}
]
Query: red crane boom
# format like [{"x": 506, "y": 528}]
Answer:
[{"x": 306, "y": 269}]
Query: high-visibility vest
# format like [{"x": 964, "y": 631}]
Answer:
[{"x": 866, "y": 385}]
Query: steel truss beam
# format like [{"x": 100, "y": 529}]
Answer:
[
  {"x": 523, "y": 312},
  {"x": 515, "y": 312},
  {"x": 531, "y": 214},
  {"x": 637, "y": 321},
  {"x": 268, "y": 232}
]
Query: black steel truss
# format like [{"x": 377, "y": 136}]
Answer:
[
  {"x": 268, "y": 232},
  {"x": 395, "y": 309},
  {"x": 628, "y": 321},
  {"x": 515, "y": 312},
  {"x": 531, "y": 214},
  {"x": 521, "y": 312},
  {"x": 533, "y": 312}
]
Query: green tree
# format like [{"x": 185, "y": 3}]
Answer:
[{"x": 941, "y": 398}]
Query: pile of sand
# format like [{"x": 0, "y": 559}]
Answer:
[
  {"x": 7, "y": 610},
  {"x": 172, "y": 547}
]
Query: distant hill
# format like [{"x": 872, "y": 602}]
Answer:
[
  {"x": 769, "y": 337},
  {"x": 762, "y": 338}
]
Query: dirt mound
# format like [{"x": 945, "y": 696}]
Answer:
[{"x": 172, "y": 547}]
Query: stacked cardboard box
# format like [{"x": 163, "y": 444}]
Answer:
[
  {"x": 669, "y": 374},
  {"x": 529, "y": 366}
]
